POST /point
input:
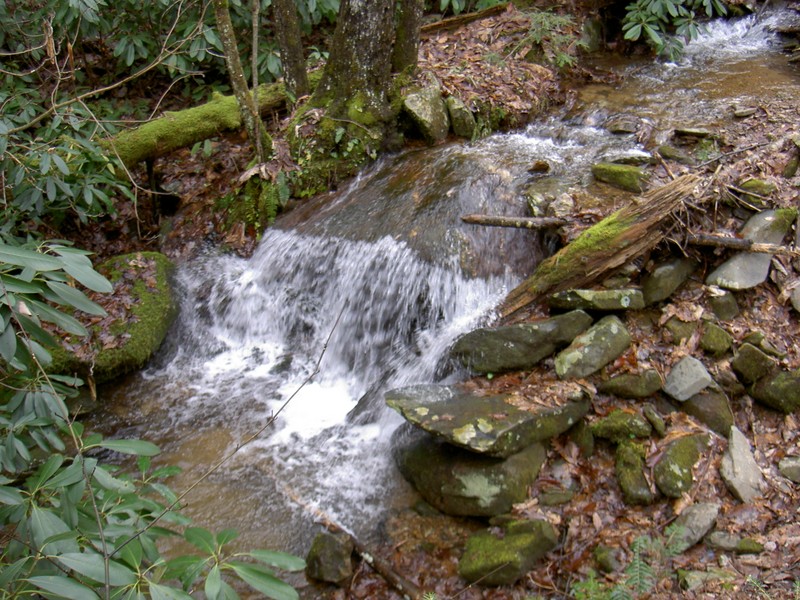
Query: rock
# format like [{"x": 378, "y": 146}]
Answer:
[
  {"x": 739, "y": 469},
  {"x": 687, "y": 378},
  {"x": 667, "y": 277},
  {"x": 693, "y": 580},
  {"x": 493, "y": 557},
  {"x": 592, "y": 350},
  {"x": 755, "y": 191},
  {"x": 728, "y": 542},
  {"x": 711, "y": 408},
  {"x": 751, "y": 364},
  {"x": 789, "y": 467},
  {"x": 498, "y": 425},
  {"x": 330, "y": 557},
  {"x": 676, "y": 154},
  {"x": 597, "y": 300},
  {"x": 518, "y": 347},
  {"x": 461, "y": 118},
  {"x": 620, "y": 426},
  {"x": 724, "y": 305},
  {"x": 461, "y": 483},
  {"x": 625, "y": 177},
  {"x": 623, "y": 123},
  {"x": 555, "y": 497},
  {"x": 692, "y": 132},
  {"x": 715, "y": 340},
  {"x": 791, "y": 168},
  {"x": 748, "y": 269},
  {"x": 743, "y": 113},
  {"x": 795, "y": 298},
  {"x": 137, "y": 339},
  {"x": 680, "y": 330},
  {"x": 673, "y": 472},
  {"x": 692, "y": 525},
  {"x": 629, "y": 465},
  {"x": 632, "y": 385},
  {"x": 581, "y": 435},
  {"x": 655, "y": 419},
  {"x": 607, "y": 559},
  {"x": 780, "y": 390},
  {"x": 760, "y": 341},
  {"x": 429, "y": 113}
]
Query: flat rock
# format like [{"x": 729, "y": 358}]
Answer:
[
  {"x": 739, "y": 470},
  {"x": 666, "y": 278},
  {"x": 619, "y": 426},
  {"x": 748, "y": 269},
  {"x": 632, "y": 385},
  {"x": 518, "y": 347},
  {"x": 461, "y": 483},
  {"x": 603, "y": 300},
  {"x": 687, "y": 378},
  {"x": 626, "y": 177},
  {"x": 498, "y": 425},
  {"x": 592, "y": 350},
  {"x": 693, "y": 524}
]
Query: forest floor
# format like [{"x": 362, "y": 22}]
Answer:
[{"x": 425, "y": 548}]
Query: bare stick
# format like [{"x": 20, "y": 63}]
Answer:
[
  {"x": 723, "y": 241},
  {"x": 518, "y": 222}
]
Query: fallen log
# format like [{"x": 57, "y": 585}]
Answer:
[
  {"x": 607, "y": 245},
  {"x": 464, "y": 19},
  {"x": 184, "y": 128},
  {"x": 518, "y": 222}
]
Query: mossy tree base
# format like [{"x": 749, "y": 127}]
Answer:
[{"x": 611, "y": 243}]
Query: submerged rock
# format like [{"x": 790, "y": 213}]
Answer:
[
  {"x": 739, "y": 470},
  {"x": 748, "y": 269},
  {"x": 625, "y": 177},
  {"x": 597, "y": 300},
  {"x": 502, "y": 557},
  {"x": 495, "y": 425},
  {"x": 518, "y": 347},
  {"x": 673, "y": 473},
  {"x": 592, "y": 350},
  {"x": 461, "y": 483}
]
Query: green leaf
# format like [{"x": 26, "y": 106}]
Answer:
[
  {"x": 139, "y": 447},
  {"x": 22, "y": 257},
  {"x": 66, "y": 322},
  {"x": 200, "y": 538},
  {"x": 45, "y": 472},
  {"x": 63, "y": 587},
  {"x": 226, "y": 535},
  {"x": 8, "y": 344},
  {"x": 11, "y": 496},
  {"x": 279, "y": 560},
  {"x": 213, "y": 583},
  {"x": 109, "y": 482},
  {"x": 162, "y": 592},
  {"x": 75, "y": 298},
  {"x": 86, "y": 275},
  {"x": 263, "y": 581},
  {"x": 20, "y": 286},
  {"x": 93, "y": 566},
  {"x": 44, "y": 524}
]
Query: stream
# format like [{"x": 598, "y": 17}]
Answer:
[{"x": 369, "y": 286}]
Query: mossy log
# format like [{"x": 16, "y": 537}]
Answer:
[
  {"x": 183, "y": 128},
  {"x": 607, "y": 245}
]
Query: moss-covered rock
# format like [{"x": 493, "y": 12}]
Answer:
[
  {"x": 632, "y": 385},
  {"x": 121, "y": 344},
  {"x": 619, "y": 426},
  {"x": 711, "y": 407},
  {"x": 330, "y": 557},
  {"x": 751, "y": 364},
  {"x": 629, "y": 465},
  {"x": 625, "y": 177},
  {"x": 715, "y": 340},
  {"x": 780, "y": 390},
  {"x": 673, "y": 473},
  {"x": 502, "y": 557}
]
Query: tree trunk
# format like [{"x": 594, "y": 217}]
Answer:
[
  {"x": 406, "y": 44},
  {"x": 611, "y": 243},
  {"x": 246, "y": 100},
  {"x": 358, "y": 73},
  {"x": 287, "y": 30}
]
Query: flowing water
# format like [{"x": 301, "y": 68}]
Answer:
[{"x": 370, "y": 287}]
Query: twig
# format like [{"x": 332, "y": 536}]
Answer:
[
  {"x": 731, "y": 153},
  {"x": 518, "y": 222},
  {"x": 723, "y": 241}
]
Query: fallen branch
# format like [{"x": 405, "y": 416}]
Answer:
[
  {"x": 724, "y": 241},
  {"x": 461, "y": 20},
  {"x": 518, "y": 222},
  {"x": 607, "y": 245}
]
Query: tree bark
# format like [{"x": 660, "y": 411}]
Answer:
[
  {"x": 406, "y": 44},
  {"x": 607, "y": 245},
  {"x": 245, "y": 99},
  {"x": 287, "y": 30}
]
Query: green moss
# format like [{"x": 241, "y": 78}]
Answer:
[
  {"x": 626, "y": 177},
  {"x": 673, "y": 473},
  {"x": 619, "y": 426},
  {"x": 629, "y": 467}
]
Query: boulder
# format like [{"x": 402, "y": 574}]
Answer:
[
  {"x": 667, "y": 277},
  {"x": 712, "y": 408},
  {"x": 601, "y": 300},
  {"x": 739, "y": 470},
  {"x": 428, "y": 112},
  {"x": 592, "y": 350},
  {"x": 518, "y": 347},
  {"x": 751, "y": 364},
  {"x": 780, "y": 390},
  {"x": 673, "y": 472},
  {"x": 462, "y": 483},
  {"x": 629, "y": 465},
  {"x": 461, "y": 118},
  {"x": 748, "y": 269},
  {"x": 501, "y": 556},
  {"x": 687, "y": 378},
  {"x": 728, "y": 542},
  {"x": 498, "y": 425},
  {"x": 626, "y": 177},
  {"x": 789, "y": 467},
  {"x": 692, "y": 525},
  {"x": 632, "y": 385},
  {"x": 620, "y": 426},
  {"x": 330, "y": 557}
]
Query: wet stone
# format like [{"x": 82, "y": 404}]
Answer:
[
  {"x": 739, "y": 470},
  {"x": 518, "y": 347},
  {"x": 693, "y": 524},
  {"x": 461, "y": 118},
  {"x": 626, "y": 177},
  {"x": 602, "y": 300},
  {"x": 495, "y": 425},
  {"x": 619, "y": 426},
  {"x": 751, "y": 364},
  {"x": 330, "y": 557},
  {"x": 666, "y": 278},
  {"x": 673, "y": 473},
  {"x": 687, "y": 378},
  {"x": 630, "y": 385},
  {"x": 592, "y": 350}
]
